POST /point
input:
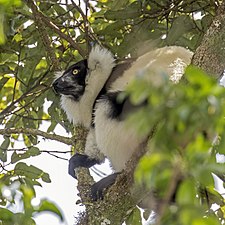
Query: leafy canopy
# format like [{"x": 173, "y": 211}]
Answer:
[{"x": 39, "y": 37}]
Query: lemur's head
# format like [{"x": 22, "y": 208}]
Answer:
[{"x": 73, "y": 81}]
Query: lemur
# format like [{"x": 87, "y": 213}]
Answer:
[{"x": 89, "y": 92}]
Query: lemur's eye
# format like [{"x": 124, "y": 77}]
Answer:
[{"x": 75, "y": 71}]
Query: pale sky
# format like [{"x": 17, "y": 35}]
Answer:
[{"x": 62, "y": 190}]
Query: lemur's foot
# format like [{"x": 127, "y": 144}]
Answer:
[{"x": 98, "y": 187}]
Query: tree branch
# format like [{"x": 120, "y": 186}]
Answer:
[
  {"x": 30, "y": 131},
  {"x": 51, "y": 25},
  {"x": 44, "y": 35},
  {"x": 9, "y": 109}
]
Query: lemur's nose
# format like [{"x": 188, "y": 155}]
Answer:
[{"x": 56, "y": 86}]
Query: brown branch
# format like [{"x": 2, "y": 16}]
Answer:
[
  {"x": 44, "y": 86},
  {"x": 84, "y": 178},
  {"x": 56, "y": 156},
  {"x": 45, "y": 151},
  {"x": 35, "y": 132},
  {"x": 119, "y": 196},
  {"x": 44, "y": 34},
  {"x": 51, "y": 25}
]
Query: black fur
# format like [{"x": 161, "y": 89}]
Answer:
[
  {"x": 82, "y": 66},
  {"x": 70, "y": 84},
  {"x": 79, "y": 160},
  {"x": 120, "y": 108},
  {"x": 117, "y": 71},
  {"x": 115, "y": 104}
]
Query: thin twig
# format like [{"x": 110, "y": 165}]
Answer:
[
  {"x": 45, "y": 151},
  {"x": 56, "y": 156},
  {"x": 12, "y": 105}
]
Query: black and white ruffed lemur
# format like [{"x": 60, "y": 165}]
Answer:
[{"x": 89, "y": 91}]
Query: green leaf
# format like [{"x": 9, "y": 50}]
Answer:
[
  {"x": 180, "y": 26},
  {"x": 3, "y": 149},
  {"x": 147, "y": 213},
  {"x": 3, "y": 81},
  {"x": 52, "y": 126},
  {"x": 134, "y": 217},
  {"x": 31, "y": 171},
  {"x": 50, "y": 207},
  {"x": 17, "y": 157},
  {"x": 33, "y": 151},
  {"x": 116, "y": 5},
  {"x": 2, "y": 33},
  {"x": 204, "y": 175},
  {"x": 23, "y": 218},
  {"x": 186, "y": 194},
  {"x": 6, "y": 215},
  {"x": 23, "y": 169},
  {"x": 150, "y": 166},
  {"x": 18, "y": 37},
  {"x": 46, "y": 178},
  {"x": 206, "y": 221},
  {"x": 132, "y": 11},
  {"x": 206, "y": 21}
]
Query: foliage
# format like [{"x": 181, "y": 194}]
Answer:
[
  {"x": 26, "y": 194},
  {"x": 5, "y": 7},
  {"x": 183, "y": 151},
  {"x": 39, "y": 39}
]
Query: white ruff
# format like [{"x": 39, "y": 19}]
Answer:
[{"x": 100, "y": 64}]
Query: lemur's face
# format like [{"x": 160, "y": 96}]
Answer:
[{"x": 72, "y": 82}]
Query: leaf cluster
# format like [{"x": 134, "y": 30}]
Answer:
[
  {"x": 22, "y": 192},
  {"x": 132, "y": 27},
  {"x": 179, "y": 167}
]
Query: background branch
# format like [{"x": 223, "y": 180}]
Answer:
[
  {"x": 51, "y": 25},
  {"x": 44, "y": 35},
  {"x": 30, "y": 131}
]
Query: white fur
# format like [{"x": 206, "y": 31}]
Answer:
[
  {"x": 91, "y": 148},
  {"x": 114, "y": 138},
  {"x": 167, "y": 60},
  {"x": 100, "y": 64},
  {"x": 222, "y": 80},
  {"x": 58, "y": 74}
]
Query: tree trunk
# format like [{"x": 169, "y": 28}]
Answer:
[{"x": 210, "y": 54}]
